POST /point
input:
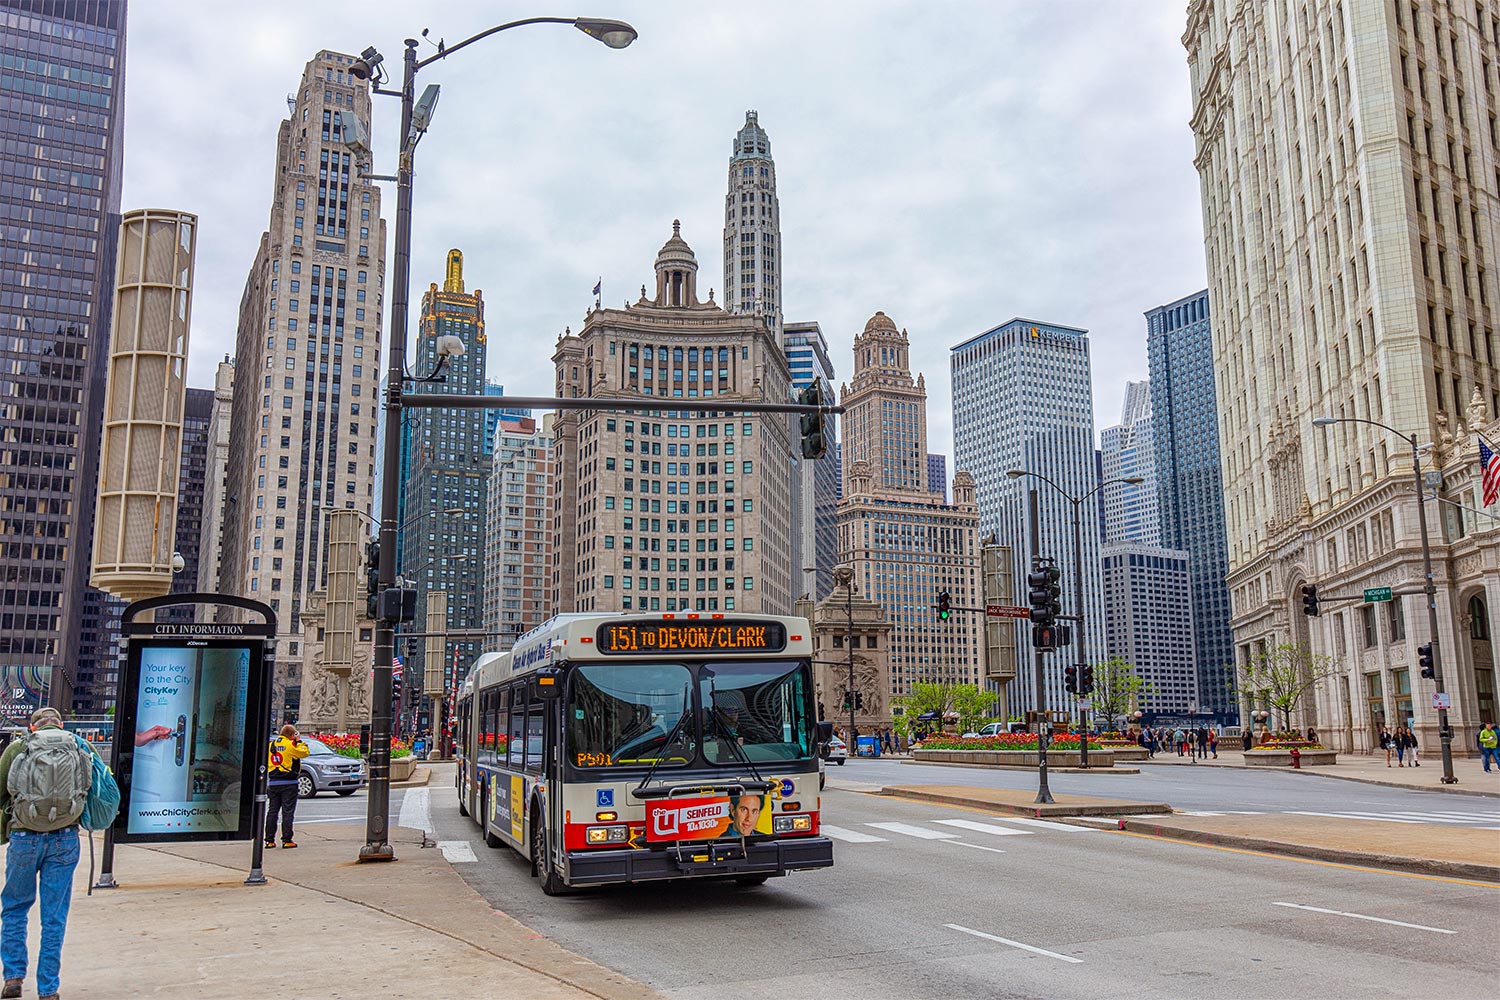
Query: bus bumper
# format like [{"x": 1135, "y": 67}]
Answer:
[{"x": 771, "y": 857}]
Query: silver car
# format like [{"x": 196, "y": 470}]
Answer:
[{"x": 326, "y": 771}]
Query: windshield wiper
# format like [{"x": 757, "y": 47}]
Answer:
[
  {"x": 734, "y": 743},
  {"x": 687, "y": 711}
]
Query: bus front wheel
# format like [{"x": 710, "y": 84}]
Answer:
[
  {"x": 751, "y": 881},
  {"x": 541, "y": 860}
]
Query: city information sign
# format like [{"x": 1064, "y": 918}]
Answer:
[
  {"x": 191, "y": 730},
  {"x": 1374, "y": 594},
  {"x": 1006, "y": 611}
]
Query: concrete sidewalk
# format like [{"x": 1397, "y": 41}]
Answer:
[
  {"x": 1367, "y": 768},
  {"x": 1428, "y": 849},
  {"x": 183, "y": 926},
  {"x": 1018, "y": 802}
]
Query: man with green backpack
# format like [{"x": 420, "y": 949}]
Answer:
[{"x": 45, "y": 782}]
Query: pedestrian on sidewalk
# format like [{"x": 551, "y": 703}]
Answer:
[
  {"x": 1400, "y": 740},
  {"x": 1213, "y": 742},
  {"x": 44, "y": 785},
  {"x": 1202, "y": 743},
  {"x": 1387, "y": 743},
  {"x": 1412, "y": 748},
  {"x": 1247, "y": 738},
  {"x": 283, "y": 770},
  {"x": 1489, "y": 746}
]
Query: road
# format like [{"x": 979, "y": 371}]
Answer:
[{"x": 932, "y": 901}]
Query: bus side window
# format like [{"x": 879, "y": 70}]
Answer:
[
  {"x": 487, "y": 727},
  {"x": 499, "y": 720},
  {"x": 517, "y": 743},
  {"x": 535, "y": 746}
]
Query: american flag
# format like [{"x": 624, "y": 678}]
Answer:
[
  {"x": 395, "y": 667},
  {"x": 1490, "y": 462}
]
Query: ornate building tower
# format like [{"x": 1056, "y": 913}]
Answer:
[
  {"x": 885, "y": 416},
  {"x": 752, "y": 228},
  {"x": 672, "y": 510}
]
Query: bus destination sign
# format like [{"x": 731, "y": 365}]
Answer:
[{"x": 717, "y": 636}]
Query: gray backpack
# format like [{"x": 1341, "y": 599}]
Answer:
[{"x": 49, "y": 781}]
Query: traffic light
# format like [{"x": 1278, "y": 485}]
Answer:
[
  {"x": 1424, "y": 660},
  {"x": 944, "y": 606},
  {"x": 814, "y": 436},
  {"x": 372, "y": 578},
  {"x": 1045, "y": 606},
  {"x": 859, "y": 700},
  {"x": 1070, "y": 680},
  {"x": 1086, "y": 679},
  {"x": 1310, "y": 600}
]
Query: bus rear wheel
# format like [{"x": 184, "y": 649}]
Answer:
[{"x": 541, "y": 860}]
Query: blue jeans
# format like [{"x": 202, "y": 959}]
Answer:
[
  {"x": 48, "y": 858},
  {"x": 1486, "y": 753}
]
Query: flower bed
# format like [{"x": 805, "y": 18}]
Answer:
[
  {"x": 347, "y": 744},
  {"x": 1007, "y": 741}
]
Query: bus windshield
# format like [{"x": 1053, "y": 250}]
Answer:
[
  {"x": 758, "y": 710},
  {"x": 622, "y": 714}
]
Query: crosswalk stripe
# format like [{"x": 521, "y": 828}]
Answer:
[
  {"x": 1431, "y": 818},
  {"x": 969, "y": 824},
  {"x": 912, "y": 831},
  {"x": 1298, "y": 812},
  {"x": 1044, "y": 824},
  {"x": 849, "y": 836}
]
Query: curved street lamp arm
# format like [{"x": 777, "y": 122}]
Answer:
[
  {"x": 1107, "y": 482},
  {"x": 450, "y": 49},
  {"x": 1037, "y": 475},
  {"x": 1410, "y": 439}
]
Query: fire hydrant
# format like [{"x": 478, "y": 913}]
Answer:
[{"x": 1296, "y": 758}]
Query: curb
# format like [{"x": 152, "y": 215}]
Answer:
[
  {"x": 1419, "y": 866},
  {"x": 1325, "y": 773},
  {"x": 1026, "y": 767},
  {"x": 415, "y": 781},
  {"x": 1037, "y": 810}
]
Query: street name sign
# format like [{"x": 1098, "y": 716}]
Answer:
[
  {"x": 1374, "y": 594},
  {"x": 1006, "y": 611}
]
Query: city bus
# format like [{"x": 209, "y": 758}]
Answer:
[{"x": 629, "y": 748}]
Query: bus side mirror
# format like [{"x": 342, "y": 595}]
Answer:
[{"x": 547, "y": 683}]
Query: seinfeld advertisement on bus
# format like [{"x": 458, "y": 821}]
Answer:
[{"x": 745, "y": 814}]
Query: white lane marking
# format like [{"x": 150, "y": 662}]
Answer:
[
  {"x": 913, "y": 831},
  {"x": 1014, "y": 944},
  {"x": 969, "y": 824},
  {"x": 1384, "y": 819},
  {"x": 1445, "y": 818},
  {"x": 977, "y": 847},
  {"x": 336, "y": 819},
  {"x": 1045, "y": 825},
  {"x": 457, "y": 850},
  {"x": 850, "y": 836},
  {"x": 416, "y": 809},
  {"x": 1361, "y": 916},
  {"x": 1200, "y": 812}
]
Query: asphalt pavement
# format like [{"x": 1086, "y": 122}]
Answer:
[{"x": 936, "y": 901}]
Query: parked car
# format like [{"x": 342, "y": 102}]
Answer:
[
  {"x": 993, "y": 729},
  {"x": 837, "y": 751},
  {"x": 326, "y": 771}
]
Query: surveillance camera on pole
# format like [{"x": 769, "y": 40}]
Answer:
[
  {"x": 421, "y": 113},
  {"x": 356, "y": 137},
  {"x": 449, "y": 346}
]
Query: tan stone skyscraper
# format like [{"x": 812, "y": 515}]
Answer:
[
  {"x": 1350, "y": 177},
  {"x": 672, "y": 510},
  {"x": 905, "y": 542},
  {"x": 307, "y": 361}
]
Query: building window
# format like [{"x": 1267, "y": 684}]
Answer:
[{"x": 1367, "y": 618}]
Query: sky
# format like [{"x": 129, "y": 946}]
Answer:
[{"x": 952, "y": 164}]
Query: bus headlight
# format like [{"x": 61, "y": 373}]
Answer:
[
  {"x": 792, "y": 824},
  {"x": 607, "y": 834}
]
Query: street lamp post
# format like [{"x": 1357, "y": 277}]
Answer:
[
  {"x": 615, "y": 34},
  {"x": 1077, "y": 502},
  {"x": 1429, "y": 588}
]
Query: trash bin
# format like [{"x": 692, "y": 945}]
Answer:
[{"x": 869, "y": 746}]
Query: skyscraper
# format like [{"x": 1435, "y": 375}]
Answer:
[
  {"x": 307, "y": 358},
  {"x": 937, "y": 474},
  {"x": 216, "y": 480},
  {"x": 1148, "y": 603},
  {"x": 1190, "y": 485},
  {"x": 192, "y": 483},
  {"x": 62, "y": 97},
  {"x": 518, "y": 530},
  {"x": 904, "y": 542},
  {"x": 1127, "y": 452},
  {"x": 1348, "y": 168},
  {"x": 815, "y": 486},
  {"x": 672, "y": 510},
  {"x": 1023, "y": 399},
  {"x": 752, "y": 228},
  {"x": 444, "y": 513}
]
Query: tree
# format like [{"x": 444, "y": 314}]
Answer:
[
  {"x": 1284, "y": 674},
  {"x": 924, "y": 697},
  {"x": 972, "y": 704},
  {"x": 1117, "y": 687}
]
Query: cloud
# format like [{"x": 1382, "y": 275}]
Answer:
[{"x": 952, "y": 164}]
